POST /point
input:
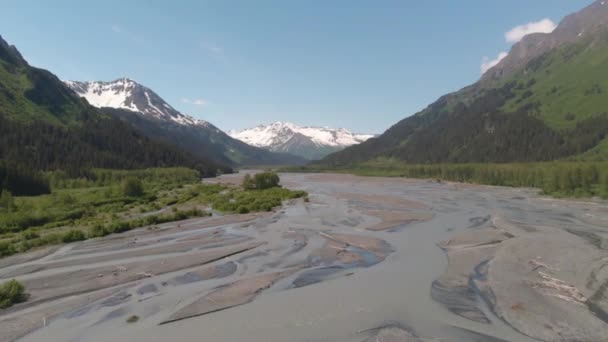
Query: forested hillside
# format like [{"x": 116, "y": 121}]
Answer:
[
  {"x": 45, "y": 126},
  {"x": 545, "y": 104}
]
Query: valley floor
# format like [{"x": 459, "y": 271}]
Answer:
[{"x": 363, "y": 259}]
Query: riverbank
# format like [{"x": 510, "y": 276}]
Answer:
[
  {"x": 115, "y": 201},
  {"x": 344, "y": 266},
  {"x": 563, "y": 179}
]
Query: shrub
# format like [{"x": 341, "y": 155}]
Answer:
[
  {"x": 73, "y": 236},
  {"x": 98, "y": 230},
  {"x": 266, "y": 180},
  {"x": 247, "y": 182},
  {"x": 119, "y": 227},
  {"x": 132, "y": 187},
  {"x": 261, "y": 181},
  {"x": 49, "y": 239},
  {"x": 7, "y": 248},
  {"x": 29, "y": 235},
  {"x": 6, "y": 200},
  {"x": 11, "y": 292},
  {"x": 604, "y": 185}
]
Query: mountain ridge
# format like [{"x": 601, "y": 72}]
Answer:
[
  {"x": 45, "y": 126},
  {"x": 587, "y": 21},
  {"x": 125, "y": 93},
  {"x": 310, "y": 142},
  {"x": 545, "y": 104},
  {"x": 147, "y": 111}
]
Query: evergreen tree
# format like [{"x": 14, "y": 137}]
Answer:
[
  {"x": 247, "y": 183},
  {"x": 6, "y": 200},
  {"x": 604, "y": 186},
  {"x": 133, "y": 187}
]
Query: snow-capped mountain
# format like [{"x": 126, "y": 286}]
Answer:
[
  {"x": 308, "y": 142},
  {"x": 148, "y": 112},
  {"x": 127, "y": 94}
]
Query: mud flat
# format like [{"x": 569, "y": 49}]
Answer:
[
  {"x": 542, "y": 281},
  {"x": 366, "y": 259}
]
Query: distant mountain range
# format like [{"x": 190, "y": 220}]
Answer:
[
  {"x": 546, "y": 100},
  {"x": 148, "y": 112},
  {"x": 308, "y": 142}
]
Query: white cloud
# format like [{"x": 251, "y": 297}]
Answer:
[
  {"x": 518, "y": 32},
  {"x": 116, "y": 28},
  {"x": 196, "y": 102},
  {"x": 487, "y": 63},
  {"x": 213, "y": 50},
  {"x": 515, "y": 35}
]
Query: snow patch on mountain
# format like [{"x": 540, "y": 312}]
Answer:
[
  {"x": 281, "y": 132},
  {"x": 102, "y": 94},
  {"x": 127, "y": 94},
  {"x": 300, "y": 140}
]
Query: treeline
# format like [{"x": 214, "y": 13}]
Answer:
[
  {"x": 20, "y": 180},
  {"x": 96, "y": 143},
  {"x": 554, "y": 178},
  {"x": 106, "y": 177}
]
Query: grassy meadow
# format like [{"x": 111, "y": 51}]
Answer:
[{"x": 112, "y": 201}]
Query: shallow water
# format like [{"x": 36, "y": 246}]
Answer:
[{"x": 325, "y": 302}]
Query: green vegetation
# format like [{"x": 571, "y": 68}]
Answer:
[
  {"x": 477, "y": 129},
  {"x": 97, "y": 203},
  {"x": 21, "y": 180},
  {"x": 566, "y": 85},
  {"x": 552, "y": 107},
  {"x": 240, "y": 201},
  {"x": 73, "y": 236},
  {"x": 261, "y": 192},
  {"x": 121, "y": 226},
  {"x": 102, "y": 202},
  {"x": 11, "y": 292},
  {"x": 6, "y": 201},
  {"x": 560, "y": 179},
  {"x": 132, "y": 187},
  {"x": 108, "y": 177},
  {"x": 46, "y": 126},
  {"x": 261, "y": 181}
]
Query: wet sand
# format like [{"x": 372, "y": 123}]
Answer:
[{"x": 366, "y": 259}]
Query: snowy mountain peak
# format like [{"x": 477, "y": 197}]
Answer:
[
  {"x": 306, "y": 141},
  {"x": 124, "y": 93}
]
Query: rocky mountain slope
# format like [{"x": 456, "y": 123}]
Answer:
[
  {"x": 147, "y": 111},
  {"x": 546, "y": 100},
  {"x": 308, "y": 142},
  {"x": 129, "y": 95}
]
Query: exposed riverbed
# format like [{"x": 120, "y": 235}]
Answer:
[{"x": 366, "y": 259}]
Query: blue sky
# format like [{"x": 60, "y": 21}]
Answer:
[{"x": 363, "y": 65}]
